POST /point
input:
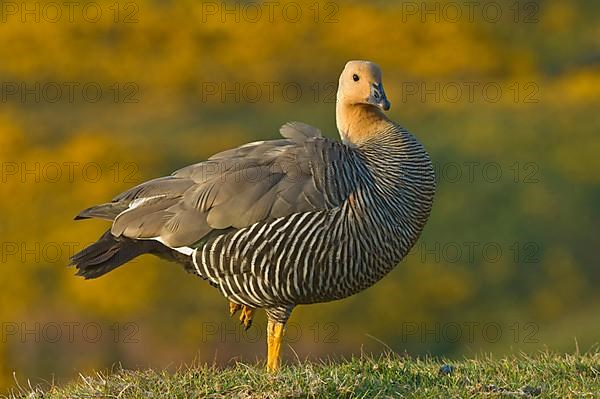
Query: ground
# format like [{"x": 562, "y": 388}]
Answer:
[{"x": 544, "y": 375}]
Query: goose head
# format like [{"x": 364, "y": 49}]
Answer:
[
  {"x": 360, "y": 83},
  {"x": 360, "y": 102}
]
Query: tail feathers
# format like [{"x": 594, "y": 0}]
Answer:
[
  {"x": 107, "y": 211},
  {"x": 107, "y": 254}
]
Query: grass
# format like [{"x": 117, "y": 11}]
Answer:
[{"x": 545, "y": 375}]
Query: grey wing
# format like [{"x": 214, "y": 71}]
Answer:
[
  {"x": 299, "y": 131},
  {"x": 256, "y": 182}
]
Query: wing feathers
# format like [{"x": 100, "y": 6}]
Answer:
[
  {"x": 299, "y": 131},
  {"x": 234, "y": 189}
]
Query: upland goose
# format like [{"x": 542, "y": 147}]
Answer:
[{"x": 280, "y": 223}]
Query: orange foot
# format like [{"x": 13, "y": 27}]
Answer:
[{"x": 245, "y": 316}]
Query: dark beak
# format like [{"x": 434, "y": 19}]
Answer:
[{"x": 378, "y": 98}]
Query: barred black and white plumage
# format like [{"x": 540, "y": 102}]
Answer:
[
  {"x": 329, "y": 254},
  {"x": 276, "y": 224}
]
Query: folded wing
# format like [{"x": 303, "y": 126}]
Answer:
[{"x": 236, "y": 188}]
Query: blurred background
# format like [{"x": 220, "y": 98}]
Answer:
[{"x": 99, "y": 96}]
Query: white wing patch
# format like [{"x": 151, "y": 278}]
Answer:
[
  {"x": 140, "y": 201},
  {"x": 184, "y": 250}
]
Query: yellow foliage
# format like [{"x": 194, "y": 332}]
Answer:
[{"x": 578, "y": 88}]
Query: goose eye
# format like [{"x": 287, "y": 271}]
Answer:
[{"x": 355, "y": 77}]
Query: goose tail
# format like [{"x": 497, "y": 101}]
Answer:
[{"x": 106, "y": 254}]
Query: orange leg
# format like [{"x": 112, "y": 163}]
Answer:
[{"x": 275, "y": 332}]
